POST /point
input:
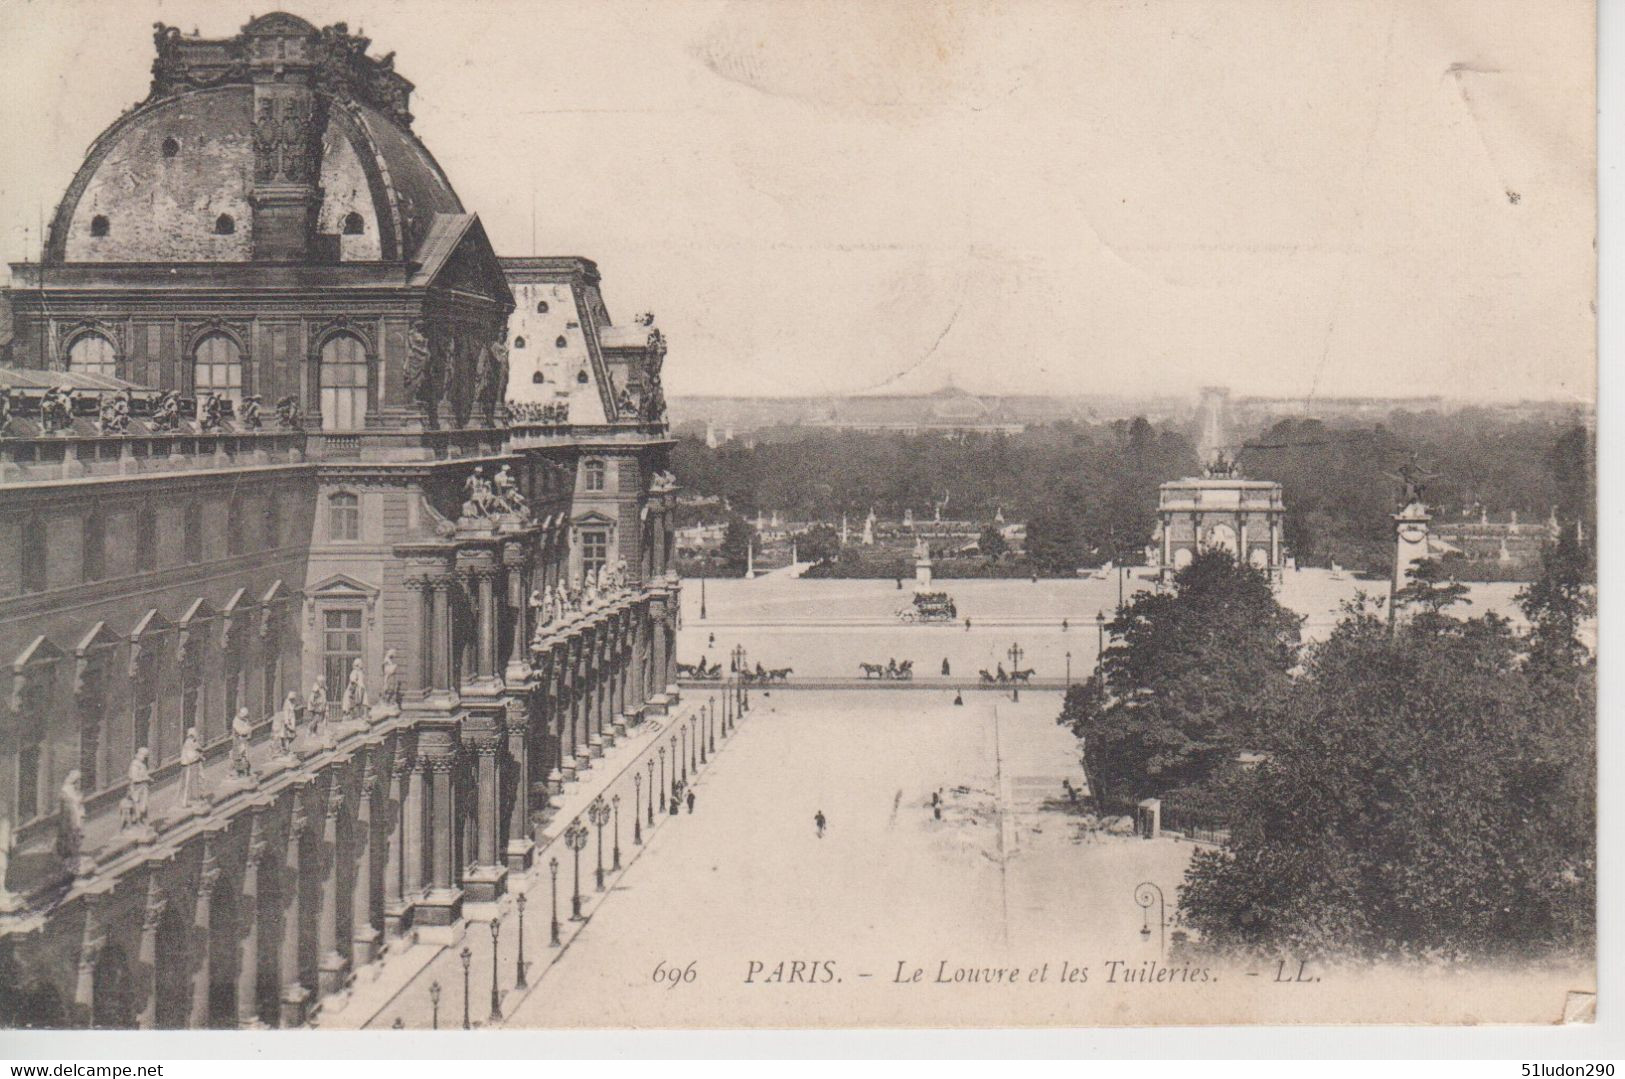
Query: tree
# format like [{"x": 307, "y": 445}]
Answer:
[
  {"x": 992, "y": 544},
  {"x": 736, "y": 541},
  {"x": 1054, "y": 544},
  {"x": 1186, "y": 681},
  {"x": 1426, "y": 793},
  {"x": 820, "y": 543}
]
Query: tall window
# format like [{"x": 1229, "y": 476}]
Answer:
[
  {"x": 146, "y": 540},
  {"x": 595, "y": 475},
  {"x": 34, "y": 564},
  {"x": 343, "y": 517},
  {"x": 341, "y": 646},
  {"x": 594, "y": 549},
  {"x": 144, "y": 700},
  {"x": 344, "y": 383},
  {"x": 94, "y": 547},
  {"x": 191, "y": 704},
  {"x": 93, "y": 354},
  {"x": 192, "y": 533},
  {"x": 217, "y": 367},
  {"x": 271, "y": 679},
  {"x": 273, "y": 520},
  {"x": 234, "y": 525},
  {"x": 31, "y": 800},
  {"x": 92, "y": 703}
]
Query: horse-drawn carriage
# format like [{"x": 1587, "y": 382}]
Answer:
[
  {"x": 700, "y": 672},
  {"x": 890, "y": 671},
  {"x": 930, "y": 607}
]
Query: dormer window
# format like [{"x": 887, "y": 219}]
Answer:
[
  {"x": 98, "y": 225},
  {"x": 561, "y": 342},
  {"x": 541, "y": 307},
  {"x": 354, "y": 225},
  {"x": 518, "y": 342},
  {"x": 171, "y": 147},
  {"x": 224, "y": 225},
  {"x": 581, "y": 377},
  {"x": 537, "y": 378}
]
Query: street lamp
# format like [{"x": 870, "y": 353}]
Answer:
[
  {"x": 496, "y": 997},
  {"x": 598, "y": 813},
  {"x": 637, "y": 807},
  {"x": 575, "y": 837},
  {"x": 1069, "y": 668},
  {"x": 699, "y": 735},
  {"x": 711, "y": 713},
  {"x": 520, "y": 982},
  {"x": 702, "y": 590},
  {"x": 434, "y": 1004},
  {"x": 553, "y": 868},
  {"x": 1015, "y": 655},
  {"x": 1100, "y": 643},
  {"x": 467, "y": 957},
  {"x": 662, "y": 788},
  {"x": 615, "y": 802},
  {"x": 1146, "y": 893},
  {"x": 693, "y": 736}
]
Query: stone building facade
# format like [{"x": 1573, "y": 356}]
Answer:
[{"x": 290, "y": 512}]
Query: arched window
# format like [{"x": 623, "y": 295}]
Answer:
[
  {"x": 537, "y": 378},
  {"x": 93, "y": 354},
  {"x": 353, "y": 224},
  {"x": 518, "y": 342},
  {"x": 98, "y": 225},
  {"x": 344, "y": 383},
  {"x": 224, "y": 225},
  {"x": 562, "y": 342},
  {"x": 541, "y": 307},
  {"x": 343, "y": 516},
  {"x": 595, "y": 475},
  {"x": 217, "y": 368}
]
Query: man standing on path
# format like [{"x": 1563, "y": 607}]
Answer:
[
  {"x": 818, "y": 820},
  {"x": 691, "y": 801}
]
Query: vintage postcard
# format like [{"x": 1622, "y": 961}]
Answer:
[{"x": 532, "y": 514}]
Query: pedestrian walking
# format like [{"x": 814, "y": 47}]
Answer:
[
  {"x": 691, "y": 801},
  {"x": 959, "y": 699},
  {"x": 967, "y": 625},
  {"x": 945, "y": 669},
  {"x": 820, "y": 822}
]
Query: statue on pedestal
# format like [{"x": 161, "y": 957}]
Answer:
[
  {"x": 250, "y": 418},
  {"x": 191, "y": 769},
  {"x": 353, "y": 704},
  {"x": 316, "y": 706},
  {"x": 507, "y": 493},
  {"x": 241, "y": 731},
  {"x": 391, "y": 679},
  {"x": 166, "y": 415},
  {"x": 70, "y": 820},
  {"x": 140, "y": 776},
  {"x": 285, "y": 724}
]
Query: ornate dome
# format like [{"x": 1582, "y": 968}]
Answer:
[{"x": 283, "y": 129}]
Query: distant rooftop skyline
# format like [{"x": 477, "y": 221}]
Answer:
[{"x": 1295, "y": 199}]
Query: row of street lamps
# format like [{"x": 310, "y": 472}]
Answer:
[{"x": 600, "y": 813}]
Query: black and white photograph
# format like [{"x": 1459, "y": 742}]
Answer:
[{"x": 528, "y": 515}]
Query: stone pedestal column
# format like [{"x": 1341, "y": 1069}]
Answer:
[
  {"x": 520, "y": 847},
  {"x": 248, "y": 949},
  {"x": 364, "y": 935},
  {"x": 440, "y": 617},
  {"x": 423, "y": 587},
  {"x": 332, "y": 965},
  {"x": 147, "y": 958},
  {"x": 295, "y": 997},
  {"x": 202, "y": 915},
  {"x": 485, "y": 665},
  {"x": 442, "y": 905},
  {"x": 397, "y": 911}
]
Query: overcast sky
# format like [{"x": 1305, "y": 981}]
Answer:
[{"x": 1318, "y": 198}]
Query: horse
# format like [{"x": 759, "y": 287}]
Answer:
[
  {"x": 780, "y": 674},
  {"x": 689, "y": 670},
  {"x": 985, "y": 678},
  {"x": 905, "y": 671},
  {"x": 873, "y": 670},
  {"x": 1021, "y": 676}
]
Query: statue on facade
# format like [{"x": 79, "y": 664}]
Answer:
[
  {"x": 56, "y": 409},
  {"x": 250, "y": 418},
  {"x": 491, "y": 378},
  {"x": 285, "y": 725},
  {"x": 5, "y": 409},
  {"x": 621, "y": 579},
  {"x": 166, "y": 414},
  {"x": 140, "y": 776},
  {"x": 481, "y": 500},
  {"x": 241, "y": 731},
  {"x": 113, "y": 413},
  {"x": 1413, "y": 480},
  {"x": 391, "y": 679},
  {"x": 506, "y": 490},
  {"x": 540, "y": 609},
  {"x": 214, "y": 413},
  {"x": 70, "y": 820},
  {"x": 422, "y": 371},
  {"x": 353, "y": 704},
  {"x": 191, "y": 769},
  {"x": 287, "y": 413},
  {"x": 316, "y": 706}
]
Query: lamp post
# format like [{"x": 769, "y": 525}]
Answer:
[
  {"x": 691, "y": 729},
  {"x": 699, "y": 735},
  {"x": 520, "y": 982},
  {"x": 575, "y": 837},
  {"x": 637, "y": 808},
  {"x": 1069, "y": 668},
  {"x": 1015, "y": 655},
  {"x": 434, "y": 1005},
  {"x": 468, "y": 958},
  {"x": 662, "y": 789},
  {"x": 553, "y": 868},
  {"x": 1146, "y": 893},
  {"x": 615, "y": 803},
  {"x": 683, "y": 733},
  {"x": 598, "y": 813},
  {"x": 651, "y": 793},
  {"x": 1100, "y": 642},
  {"x": 496, "y": 997},
  {"x": 711, "y": 712},
  {"x": 702, "y": 590}
]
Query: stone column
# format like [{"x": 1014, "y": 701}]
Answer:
[
  {"x": 1167, "y": 541},
  {"x": 488, "y": 778},
  {"x": 442, "y": 821},
  {"x": 294, "y": 994},
  {"x": 91, "y": 941},
  {"x": 363, "y": 934},
  {"x": 592, "y": 744},
  {"x": 248, "y": 906},
  {"x": 520, "y": 847},
  {"x": 424, "y": 587},
  {"x": 414, "y": 853},
  {"x": 331, "y": 966},
  {"x": 440, "y": 617},
  {"x": 485, "y": 658},
  {"x": 395, "y": 906},
  {"x": 657, "y": 630},
  {"x": 147, "y": 958},
  {"x": 202, "y": 914}
]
